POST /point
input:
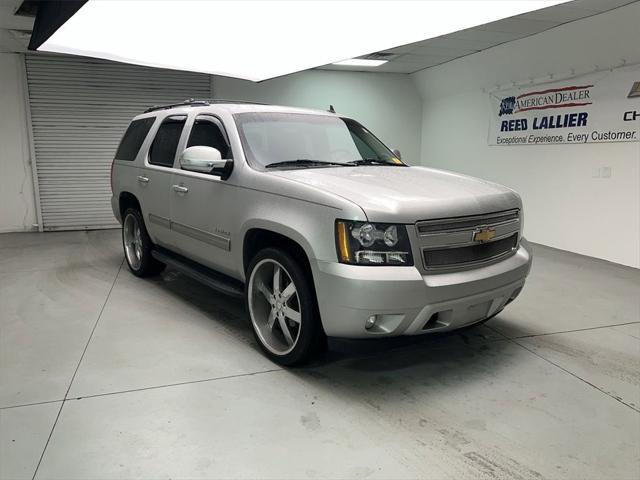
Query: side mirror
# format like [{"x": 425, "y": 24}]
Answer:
[
  {"x": 397, "y": 153},
  {"x": 203, "y": 159}
]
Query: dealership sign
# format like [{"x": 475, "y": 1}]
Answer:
[{"x": 594, "y": 108}]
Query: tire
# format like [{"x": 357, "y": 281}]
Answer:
[
  {"x": 137, "y": 245},
  {"x": 272, "y": 310}
]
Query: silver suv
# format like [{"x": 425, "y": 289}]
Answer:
[{"x": 322, "y": 228}]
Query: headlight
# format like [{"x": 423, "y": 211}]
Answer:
[{"x": 364, "y": 243}]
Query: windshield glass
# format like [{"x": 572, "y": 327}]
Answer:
[{"x": 294, "y": 140}]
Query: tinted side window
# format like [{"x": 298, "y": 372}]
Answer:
[
  {"x": 207, "y": 131},
  {"x": 164, "y": 146},
  {"x": 133, "y": 138}
]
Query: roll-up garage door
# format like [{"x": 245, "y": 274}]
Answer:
[{"x": 80, "y": 108}]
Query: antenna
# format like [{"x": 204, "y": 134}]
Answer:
[{"x": 331, "y": 109}]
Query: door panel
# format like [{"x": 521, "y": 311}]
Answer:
[
  {"x": 154, "y": 183},
  {"x": 152, "y": 189},
  {"x": 199, "y": 219},
  {"x": 199, "y": 203}
]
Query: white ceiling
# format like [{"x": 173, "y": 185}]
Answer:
[
  {"x": 405, "y": 59},
  {"x": 279, "y": 37},
  {"x": 428, "y": 53}
]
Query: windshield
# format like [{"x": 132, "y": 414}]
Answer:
[{"x": 294, "y": 140}]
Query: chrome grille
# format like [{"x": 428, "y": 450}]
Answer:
[
  {"x": 452, "y": 224},
  {"x": 460, "y": 242},
  {"x": 472, "y": 253}
]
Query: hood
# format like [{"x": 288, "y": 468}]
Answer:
[{"x": 406, "y": 195}]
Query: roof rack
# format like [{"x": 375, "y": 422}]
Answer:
[{"x": 198, "y": 103}]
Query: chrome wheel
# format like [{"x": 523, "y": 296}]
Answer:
[
  {"x": 132, "y": 239},
  {"x": 274, "y": 307}
]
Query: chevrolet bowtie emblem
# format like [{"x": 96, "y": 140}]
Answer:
[{"x": 484, "y": 235}]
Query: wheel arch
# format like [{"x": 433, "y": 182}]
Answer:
[
  {"x": 260, "y": 237},
  {"x": 257, "y": 238},
  {"x": 128, "y": 200}
]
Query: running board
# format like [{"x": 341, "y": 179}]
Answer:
[{"x": 216, "y": 280}]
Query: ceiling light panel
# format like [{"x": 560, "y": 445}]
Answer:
[
  {"x": 258, "y": 40},
  {"x": 360, "y": 62}
]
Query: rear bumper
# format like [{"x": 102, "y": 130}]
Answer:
[
  {"x": 405, "y": 302},
  {"x": 116, "y": 208}
]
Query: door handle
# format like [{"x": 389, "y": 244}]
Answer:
[
  {"x": 143, "y": 179},
  {"x": 180, "y": 189}
]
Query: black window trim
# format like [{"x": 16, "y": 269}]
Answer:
[
  {"x": 181, "y": 140},
  {"x": 213, "y": 118}
]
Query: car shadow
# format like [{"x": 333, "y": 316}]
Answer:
[
  {"x": 416, "y": 372},
  {"x": 227, "y": 312},
  {"x": 432, "y": 357}
]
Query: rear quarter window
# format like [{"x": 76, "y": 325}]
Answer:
[{"x": 133, "y": 138}]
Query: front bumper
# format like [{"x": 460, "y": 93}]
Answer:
[{"x": 404, "y": 301}]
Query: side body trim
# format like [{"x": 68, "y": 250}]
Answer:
[
  {"x": 206, "y": 237},
  {"x": 211, "y": 238},
  {"x": 158, "y": 220}
]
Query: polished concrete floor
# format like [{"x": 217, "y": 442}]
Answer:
[{"x": 104, "y": 375}]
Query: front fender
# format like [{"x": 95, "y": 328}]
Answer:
[{"x": 276, "y": 227}]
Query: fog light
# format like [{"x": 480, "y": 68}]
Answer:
[{"x": 371, "y": 321}]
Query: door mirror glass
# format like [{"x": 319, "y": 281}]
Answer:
[
  {"x": 397, "y": 153},
  {"x": 203, "y": 159}
]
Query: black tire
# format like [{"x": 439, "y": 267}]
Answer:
[
  {"x": 148, "y": 265},
  {"x": 311, "y": 336}
]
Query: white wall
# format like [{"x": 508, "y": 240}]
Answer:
[
  {"x": 388, "y": 104},
  {"x": 564, "y": 206},
  {"x": 17, "y": 203}
]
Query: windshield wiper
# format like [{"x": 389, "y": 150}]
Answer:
[
  {"x": 374, "y": 161},
  {"x": 304, "y": 162}
]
